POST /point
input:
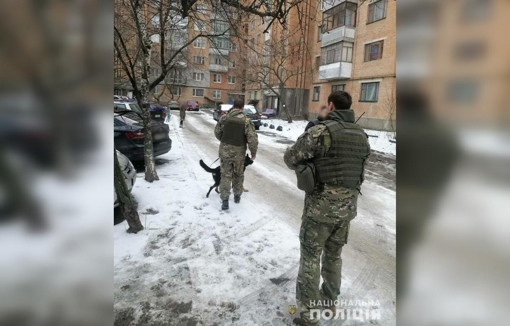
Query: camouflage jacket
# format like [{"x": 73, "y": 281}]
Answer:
[
  {"x": 327, "y": 203},
  {"x": 232, "y": 152}
]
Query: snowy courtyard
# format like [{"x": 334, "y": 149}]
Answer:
[{"x": 195, "y": 264}]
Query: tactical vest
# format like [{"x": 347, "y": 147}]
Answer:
[
  {"x": 343, "y": 163},
  {"x": 234, "y": 131}
]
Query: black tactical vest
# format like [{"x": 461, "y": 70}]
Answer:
[
  {"x": 234, "y": 132},
  {"x": 343, "y": 163}
]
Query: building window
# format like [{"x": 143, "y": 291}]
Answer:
[
  {"x": 374, "y": 51},
  {"x": 220, "y": 43},
  {"x": 319, "y": 33},
  {"x": 233, "y": 47},
  {"x": 336, "y": 88},
  {"x": 118, "y": 73},
  {"x": 198, "y": 60},
  {"x": 249, "y": 95},
  {"x": 369, "y": 92},
  {"x": 463, "y": 92},
  {"x": 198, "y": 76},
  {"x": 198, "y": 92},
  {"x": 253, "y": 24},
  {"x": 337, "y": 52},
  {"x": 231, "y": 79},
  {"x": 201, "y": 8},
  {"x": 156, "y": 89},
  {"x": 341, "y": 15},
  {"x": 176, "y": 77},
  {"x": 216, "y": 94},
  {"x": 232, "y": 64},
  {"x": 217, "y": 78},
  {"x": 217, "y": 60},
  {"x": 199, "y": 26},
  {"x": 176, "y": 90},
  {"x": 199, "y": 43},
  {"x": 316, "y": 93},
  {"x": 377, "y": 11},
  {"x": 255, "y": 95}
]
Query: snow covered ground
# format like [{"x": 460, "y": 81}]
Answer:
[
  {"x": 197, "y": 265},
  {"x": 379, "y": 140}
]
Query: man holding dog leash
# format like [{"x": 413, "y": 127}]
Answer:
[
  {"x": 329, "y": 160},
  {"x": 234, "y": 131}
]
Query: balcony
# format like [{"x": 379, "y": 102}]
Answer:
[
  {"x": 342, "y": 33},
  {"x": 337, "y": 70},
  {"x": 218, "y": 68},
  {"x": 214, "y": 51}
]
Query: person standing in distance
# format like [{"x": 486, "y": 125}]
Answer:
[
  {"x": 322, "y": 115},
  {"x": 338, "y": 149},
  {"x": 234, "y": 131},
  {"x": 183, "y": 115}
]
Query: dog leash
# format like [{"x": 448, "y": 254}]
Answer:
[{"x": 215, "y": 161}]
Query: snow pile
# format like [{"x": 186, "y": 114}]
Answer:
[{"x": 379, "y": 140}]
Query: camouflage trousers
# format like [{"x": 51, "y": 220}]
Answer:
[
  {"x": 232, "y": 175},
  {"x": 326, "y": 239}
]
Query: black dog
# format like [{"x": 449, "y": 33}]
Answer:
[{"x": 216, "y": 173}]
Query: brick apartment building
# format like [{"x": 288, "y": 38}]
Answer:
[{"x": 322, "y": 46}]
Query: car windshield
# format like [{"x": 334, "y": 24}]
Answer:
[
  {"x": 135, "y": 107},
  {"x": 249, "y": 110},
  {"x": 192, "y": 103}
]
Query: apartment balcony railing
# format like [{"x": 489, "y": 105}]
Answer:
[
  {"x": 336, "y": 70},
  {"x": 218, "y": 68},
  {"x": 342, "y": 33},
  {"x": 214, "y": 51}
]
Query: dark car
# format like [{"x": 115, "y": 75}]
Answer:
[
  {"x": 128, "y": 136},
  {"x": 173, "y": 105},
  {"x": 192, "y": 106},
  {"x": 251, "y": 112},
  {"x": 158, "y": 113}
]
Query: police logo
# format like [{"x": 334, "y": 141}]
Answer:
[{"x": 292, "y": 309}]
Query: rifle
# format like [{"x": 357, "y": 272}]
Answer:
[{"x": 359, "y": 117}]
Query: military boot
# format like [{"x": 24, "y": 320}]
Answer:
[
  {"x": 237, "y": 199},
  {"x": 224, "y": 206}
]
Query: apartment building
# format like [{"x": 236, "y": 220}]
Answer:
[
  {"x": 206, "y": 70},
  {"x": 356, "y": 52}
]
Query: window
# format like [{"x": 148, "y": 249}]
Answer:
[
  {"x": 233, "y": 47},
  {"x": 317, "y": 62},
  {"x": 216, "y": 94},
  {"x": 176, "y": 77},
  {"x": 156, "y": 89},
  {"x": 316, "y": 93},
  {"x": 255, "y": 95},
  {"x": 377, "y": 11},
  {"x": 336, "y": 88},
  {"x": 199, "y": 26},
  {"x": 253, "y": 24},
  {"x": 249, "y": 95},
  {"x": 369, "y": 92},
  {"x": 118, "y": 73},
  {"x": 198, "y": 60},
  {"x": 216, "y": 60},
  {"x": 374, "y": 51},
  {"x": 198, "y": 76},
  {"x": 258, "y": 39},
  {"x": 198, "y": 92},
  {"x": 341, "y": 15},
  {"x": 252, "y": 41},
  {"x": 219, "y": 27},
  {"x": 319, "y": 33},
  {"x": 199, "y": 43},
  {"x": 231, "y": 79},
  {"x": 232, "y": 64},
  {"x": 337, "y": 52},
  {"x": 201, "y": 8},
  {"x": 176, "y": 90},
  {"x": 221, "y": 43},
  {"x": 217, "y": 78}
]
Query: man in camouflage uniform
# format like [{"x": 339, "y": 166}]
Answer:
[
  {"x": 338, "y": 148},
  {"x": 234, "y": 131}
]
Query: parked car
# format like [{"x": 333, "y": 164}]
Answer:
[
  {"x": 119, "y": 106},
  {"x": 222, "y": 109},
  {"x": 129, "y": 138},
  {"x": 158, "y": 113},
  {"x": 173, "y": 105},
  {"x": 129, "y": 172},
  {"x": 192, "y": 106},
  {"x": 251, "y": 112},
  {"x": 270, "y": 113}
]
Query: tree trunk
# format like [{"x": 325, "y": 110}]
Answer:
[
  {"x": 281, "y": 102},
  {"x": 126, "y": 205},
  {"x": 146, "y": 44}
]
